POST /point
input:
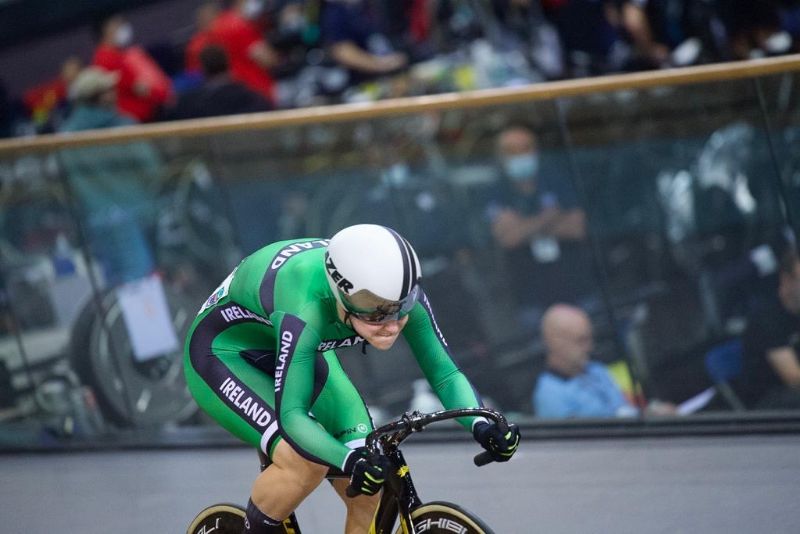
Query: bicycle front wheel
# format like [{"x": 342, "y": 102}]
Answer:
[
  {"x": 441, "y": 517},
  {"x": 220, "y": 519}
]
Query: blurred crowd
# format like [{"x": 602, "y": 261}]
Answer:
[
  {"x": 699, "y": 282},
  {"x": 255, "y": 55}
]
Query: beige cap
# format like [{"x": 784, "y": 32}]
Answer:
[{"x": 91, "y": 82}]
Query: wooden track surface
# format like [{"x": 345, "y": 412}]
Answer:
[{"x": 707, "y": 485}]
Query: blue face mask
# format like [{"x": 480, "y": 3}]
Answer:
[
  {"x": 523, "y": 167},
  {"x": 397, "y": 175}
]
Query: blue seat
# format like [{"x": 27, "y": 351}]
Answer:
[{"x": 723, "y": 363}]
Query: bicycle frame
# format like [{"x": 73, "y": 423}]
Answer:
[{"x": 400, "y": 498}]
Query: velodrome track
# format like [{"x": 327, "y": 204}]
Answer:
[{"x": 731, "y": 484}]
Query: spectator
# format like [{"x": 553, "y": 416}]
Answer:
[
  {"x": 754, "y": 28},
  {"x": 592, "y": 44},
  {"x": 790, "y": 18},
  {"x": 112, "y": 183},
  {"x": 517, "y": 16},
  {"x": 674, "y": 32},
  {"x": 771, "y": 367},
  {"x": 47, "y": 102},
  {"x": 354, "y": 42},
  {"x": 205, "y": 15},
  {"x": 219, "y": 94},
  {"x": 525, "y": 29},
  {"x": 536, "y": 220},
  {"x": 239, "y": 32},
  {"x": 143, "y": 88},
  {"x": 572, "y": 385},
  {"x": 648, "y": 51},
  {"x": 294, "y": 34},
  {"x": 410, "y": 26}
]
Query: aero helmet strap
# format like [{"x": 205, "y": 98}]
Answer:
[{"x": 347, "y": 316}]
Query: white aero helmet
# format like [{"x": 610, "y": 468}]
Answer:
[{"x": 373, "y": 272}]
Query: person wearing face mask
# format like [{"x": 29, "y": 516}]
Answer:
[
  {"x": 770, "y": 377},
  {"x": 536, "y": 222},
  {"x": 239, "y": 30},
  {"x": 143, "y": 86}
]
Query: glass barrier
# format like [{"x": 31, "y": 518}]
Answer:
[
  {"x": 663, "y": 212},
  {"x": 686, "y": 212}
]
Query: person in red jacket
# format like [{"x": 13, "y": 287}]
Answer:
[
  {"x": 204, "y": 18},
  {"x": 237, "y": 30},
  {"x": 47, "y": 102},
  {"x": 143, "y": 87}
]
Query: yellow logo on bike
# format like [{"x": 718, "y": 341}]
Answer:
[
  {"x": 403, "y": 471},
  {"x": 403, "y": 524}
]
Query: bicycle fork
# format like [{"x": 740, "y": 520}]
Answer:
[{"x": 398, "y": 500}]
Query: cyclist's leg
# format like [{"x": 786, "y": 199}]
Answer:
[
  {"x": 233, "y": 392},
  {"x": 360, "y": 510},
  {"x": 340, "y": 409},
  {"x": 288, "y": 480},
  {"x": 225, "y": 385}
]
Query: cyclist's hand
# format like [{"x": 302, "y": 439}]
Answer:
[
  {"x": 369, "y": 474},
  {"x": 501, "y": 446}
]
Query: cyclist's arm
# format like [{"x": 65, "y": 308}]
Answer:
[
  {"x": 434, "y": 358},
  {"x": 294, "y": 384}
]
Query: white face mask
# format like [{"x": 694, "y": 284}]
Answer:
[
  {"x": 522, "y": 167},
  {"x": 252, "y": 8},
  {"x": 123, "y": 35},
  {"x": 397, "y": 175},
  {"x": 293, "y": 22}
]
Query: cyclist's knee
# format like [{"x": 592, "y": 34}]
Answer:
[
  {"x": 360, "y": 511},
  {"x": 361, "y": 504},
  {"x": 303, "y": 471}
]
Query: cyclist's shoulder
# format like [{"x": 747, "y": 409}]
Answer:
[
  {"x": 292, "y": 280},
  {"x": 289, "y": 246},
  {"x": 276, "y": 256}
]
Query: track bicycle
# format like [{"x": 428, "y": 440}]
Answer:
[{"x": 399, "y": 499}]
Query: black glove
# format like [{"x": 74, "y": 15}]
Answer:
[
  {"x": 501, "y": 446},
  {"x": 369, "y": 474}
]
